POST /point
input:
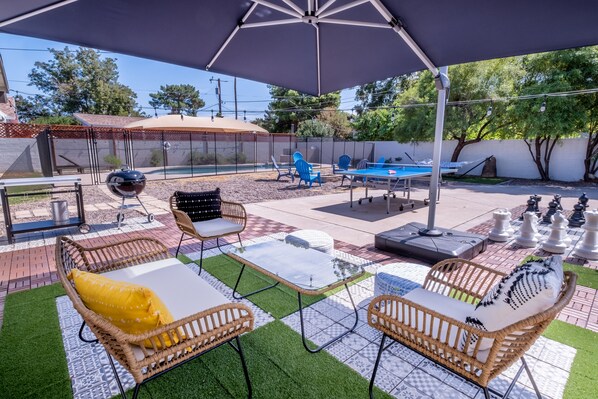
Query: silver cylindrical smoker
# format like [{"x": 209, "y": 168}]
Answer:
[{"x": 60, "y": 211}]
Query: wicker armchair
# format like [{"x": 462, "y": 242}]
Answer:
[
  {"x": 446, "y": 340},
  {"x": 225, "y": 323},
  {"x": 206, "y": 219}
]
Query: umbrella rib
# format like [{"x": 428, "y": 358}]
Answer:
[
  {"x": 398, "y": 27},
  {"x": 264, "y": 3},
  {"x": 271, "y": 23},
  {"x": 342, "y": 8},
  {"x": 232, "y": 35},
  {"x": 324, "y": 7},
  {"x": 355, "y": 23},
  {"x": 293, "y": 6},
  {"x": 33, "y": 13}
]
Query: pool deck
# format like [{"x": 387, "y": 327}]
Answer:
[{"x": 30, "y": 262}]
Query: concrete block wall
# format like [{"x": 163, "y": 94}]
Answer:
[
  {"x": 512, "y": 156},
  {"x": 19, "y": 156}
]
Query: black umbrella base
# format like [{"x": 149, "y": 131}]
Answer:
[{"x": 410, "y": 241}]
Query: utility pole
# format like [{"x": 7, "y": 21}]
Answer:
[{"x": 219, "y": 92}]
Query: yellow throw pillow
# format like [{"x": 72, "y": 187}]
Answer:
[{"x": 132, "y": 308}]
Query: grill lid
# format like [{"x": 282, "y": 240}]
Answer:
[{"x": 126, "y": 182}]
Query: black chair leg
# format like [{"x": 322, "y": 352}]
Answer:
[
  {"x": 120, "y": 385},
  {"x": 200, "y": 259},
  {"x": 179, "y": 247},
  {"x": 239, "y": 350},
  {"x": 531, "y": 378},
  {"x": 240, "y": 242},
  {"x": 136, "y": 391},
  {"x": 89, "y": 341},
  {"x": 371, "y": 389}
]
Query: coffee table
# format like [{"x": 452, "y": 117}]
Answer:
[{"x": 306, "y": 271}]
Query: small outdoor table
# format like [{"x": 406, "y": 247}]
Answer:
[{"x": 304, "y": 270}]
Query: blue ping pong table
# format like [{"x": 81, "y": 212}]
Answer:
[{"x": 392, "y": 177}]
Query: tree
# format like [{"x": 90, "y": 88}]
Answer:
[
  {"x": 289, "y": 107},
  {"x": 337, "y": 120},
  {"x": 314, "y": 128},
  {"x": 180, "y": 99},
  {"x": 591, "y": 129},
  {"x": 82, "y": 81},
  {"x": 375, "y": 125},
  {"x": 466, "y": 122},
  {"x": 32, "y": 107},
  {"x": 543, "y": 122},
  {"x": 383, "y": 92},
  {"x": 55, "y": 120}
]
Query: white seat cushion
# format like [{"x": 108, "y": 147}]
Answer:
[
  {"x": 216, "y": 227},
  {"x": 182, "y": 291},
  {"x": 446, "y": 306}
]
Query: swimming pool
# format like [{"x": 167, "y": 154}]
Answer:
[{"x": 208, "y": 169}]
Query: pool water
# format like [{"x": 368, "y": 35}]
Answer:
[{"x": 208, "y": 169}]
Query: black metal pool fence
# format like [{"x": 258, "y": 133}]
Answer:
[{"x": 169, "y": 154}]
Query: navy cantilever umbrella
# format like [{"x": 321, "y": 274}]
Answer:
[{"x": 313, "y": 46}]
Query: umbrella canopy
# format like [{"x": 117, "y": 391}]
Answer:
[
  {"x": 314, "y": 46},
  {"x": 195, "y": 124}
]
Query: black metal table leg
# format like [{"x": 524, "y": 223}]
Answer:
[
  {"x": 251, "y": 293},
  {"x": 333, "y": 340}
]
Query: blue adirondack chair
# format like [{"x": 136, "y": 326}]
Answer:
[
  {"x": 305, "y": 173},
  {"x": 297, "y": 156},
  {"x": 344, "y": 161},
  {"x": 380, "y": 163}
]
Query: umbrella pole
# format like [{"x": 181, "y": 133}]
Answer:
[{"x": 442, "y": 85}]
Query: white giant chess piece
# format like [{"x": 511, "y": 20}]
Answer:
[
  {"x": 558, "y": 241},
  {"x": 588, "y": 245},
  {"x": 502, "y": 230},
  {"x": 528, "y": 233}
]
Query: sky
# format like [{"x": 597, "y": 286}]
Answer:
[{"x": 144, "y": 77}]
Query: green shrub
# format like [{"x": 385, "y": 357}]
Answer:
[
  {"x": 200, "y": 158},
  {"x": 113, "y": 161},
  {"x": 157, "y": 158}
]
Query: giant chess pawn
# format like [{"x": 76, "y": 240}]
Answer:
[
  {"x": 577, "y": 218},
  {"x": 531, "y": 206},
  {"x": 557, "y": 198},
  {"x": 587, "y": 248},
  {"x": 552, "y": 209},
  {"x": 583, "y": 199},
  {"x": 528, "y": 233},
  {"x": 558, "y": 241},
  {"x": 502, "y": 230},
  {"x": 537, "y": 198}
]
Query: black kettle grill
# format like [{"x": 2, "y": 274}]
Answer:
[{"x": 127, "y": 183}]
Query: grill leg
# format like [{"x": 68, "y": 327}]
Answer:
[
  {"x": 121, "y": 211},
  {"x": 143, "y": 206}
]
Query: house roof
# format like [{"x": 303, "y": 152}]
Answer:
[
  {"x": 105, "y": 120},
  {"x": 8, "y": 111}
]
